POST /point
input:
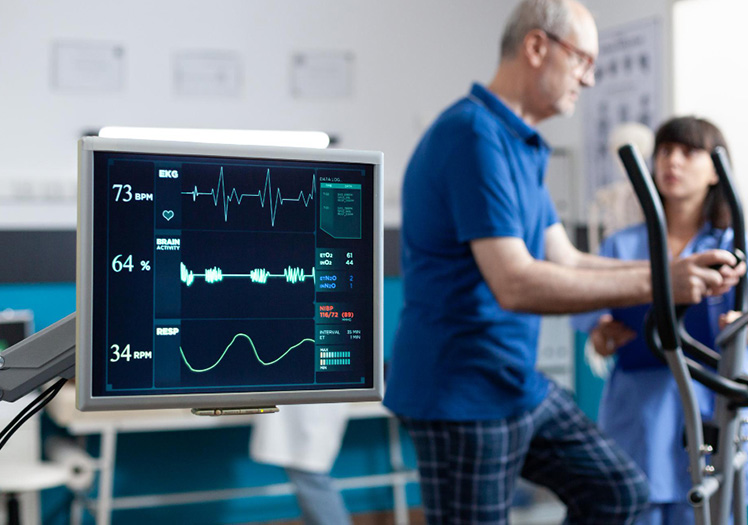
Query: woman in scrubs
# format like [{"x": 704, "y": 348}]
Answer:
[{"x": 640, "y": 407}]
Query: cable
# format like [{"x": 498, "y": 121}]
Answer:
[{"x": 32, "y": 408}]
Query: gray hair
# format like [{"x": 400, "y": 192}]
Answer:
[{"x": 552, "y": 16}]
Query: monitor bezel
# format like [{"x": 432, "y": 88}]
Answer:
[{"x": 84, "y": 278}]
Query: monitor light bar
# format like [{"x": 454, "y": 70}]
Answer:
[{"x": 299, "y": 139}]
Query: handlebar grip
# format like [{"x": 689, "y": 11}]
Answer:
[{"x": 739, "y": 256}]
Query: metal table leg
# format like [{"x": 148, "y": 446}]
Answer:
[
  {"x": 106, "y": 476},
  {"x": 398, "y": 466}
]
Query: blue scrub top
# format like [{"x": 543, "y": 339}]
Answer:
[
  {"x": 478, "y": 172},
  {"x": 640, "y": 406},
  {"x": 631, "y": 244}
]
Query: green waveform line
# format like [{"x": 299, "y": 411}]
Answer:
[
  {"x": 254, "y": 349},
  {"x": 291, "y": 274},
  {"x": 265, "y": 195}
]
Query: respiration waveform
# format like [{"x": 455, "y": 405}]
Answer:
[
  {"x": 213, "y": 275},
  {"x": 219, "y": 195},
  {"x": 254, "y": 349}
]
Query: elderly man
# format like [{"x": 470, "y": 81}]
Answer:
[{"x": 483, "y": 255}]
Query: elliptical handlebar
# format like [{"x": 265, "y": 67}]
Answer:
[
  {"x": 663, "y": 327},
  {"x": 662, "y": 296},
  {"x": 724, "y": 172}
]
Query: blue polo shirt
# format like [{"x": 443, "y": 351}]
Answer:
[{"x": 478, "y": 172}]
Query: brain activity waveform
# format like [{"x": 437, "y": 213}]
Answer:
[
  {"x": 219, "y": 196},
  {"x": 213, "y": 275},
  {"x": 254, "y": 349}
]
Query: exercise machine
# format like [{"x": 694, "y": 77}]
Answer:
[{"x": 716, "y": 457}]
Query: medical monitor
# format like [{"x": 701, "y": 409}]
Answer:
[{"x": 216, "y": 276}]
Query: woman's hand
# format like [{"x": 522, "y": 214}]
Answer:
[{"x": 610, "y": 335}]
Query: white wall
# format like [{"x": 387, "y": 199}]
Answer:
[
  {"x": 411, "y": 59},
  {"x": 711, "y": 71}
]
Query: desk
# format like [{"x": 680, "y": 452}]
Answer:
[{"x": 109, "y": 424}]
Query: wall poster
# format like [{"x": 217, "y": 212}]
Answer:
[{"x": 627, "y": 88}]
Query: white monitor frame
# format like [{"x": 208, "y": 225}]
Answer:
[{"x": 85, "y": 272}]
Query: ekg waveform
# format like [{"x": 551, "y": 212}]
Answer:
[
  {"x": 254, "y": 349},
  {"x": 220, "y": 196},
  {"x": 213, "y": 275}
]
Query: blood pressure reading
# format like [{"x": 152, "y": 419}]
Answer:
[{"x": 231, "y": 275}]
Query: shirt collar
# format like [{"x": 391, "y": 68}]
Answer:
[
  {"x": 512, "y": 121},
  {"x": 706, "y": 234}
]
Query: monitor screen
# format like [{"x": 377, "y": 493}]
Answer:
[{"x": 215, "y": 276}]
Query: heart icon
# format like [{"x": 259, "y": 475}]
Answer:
[{"x": 168, "y": 215}]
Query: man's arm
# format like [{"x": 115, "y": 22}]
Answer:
[
  {"x": 559, "y": 249},
  {"x": 522, "y": 283}
]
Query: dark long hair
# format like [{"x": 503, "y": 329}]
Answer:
[{"x": 699, "y": 133}]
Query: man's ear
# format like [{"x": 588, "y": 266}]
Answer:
[{"x": 535, "y": 47}]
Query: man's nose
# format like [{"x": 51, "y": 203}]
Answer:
[{"x": 588, "y": 78}]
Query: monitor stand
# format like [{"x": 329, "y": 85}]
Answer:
[{"x": 47, "y": 354}]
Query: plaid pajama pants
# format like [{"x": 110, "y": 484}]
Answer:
[{"x": 469, "y": 469}]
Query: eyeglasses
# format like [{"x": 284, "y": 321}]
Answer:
[{"x": 585, "y": 61}]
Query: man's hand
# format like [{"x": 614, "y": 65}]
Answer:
[
  {"x": 694, "y": 277},
  {"x": 727, "y": 318},
  {"x": 610, "y": 335}
]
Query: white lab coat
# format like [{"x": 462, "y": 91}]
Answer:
[{"x": 304, "y": 437}]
